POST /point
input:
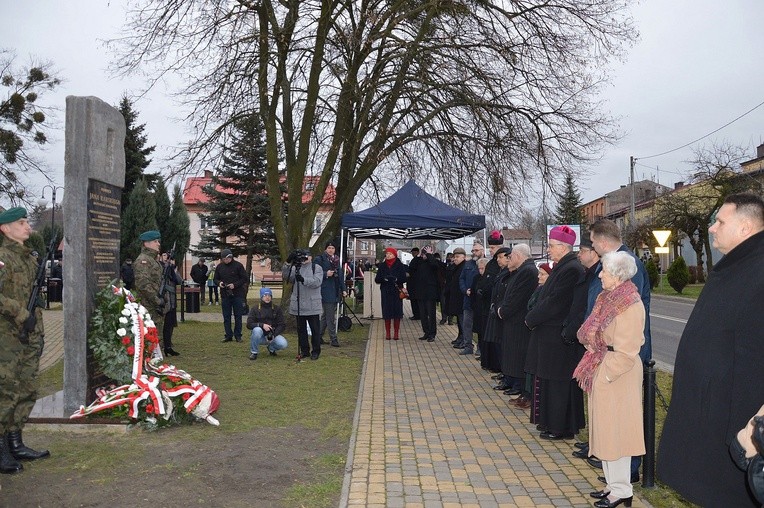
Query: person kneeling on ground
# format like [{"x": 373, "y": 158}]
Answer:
[{"x": 267, "y": 324}]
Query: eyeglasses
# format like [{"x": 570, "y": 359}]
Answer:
[{"x": 477, "y": 250}]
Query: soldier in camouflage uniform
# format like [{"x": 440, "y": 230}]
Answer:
[
  {"x": 19, "y": 362},
  {"x": 148, "y": 277}
]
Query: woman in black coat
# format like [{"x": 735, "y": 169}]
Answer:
[
  {"x": 490, "y": 352},
  {"x": 391, "y": 275}
]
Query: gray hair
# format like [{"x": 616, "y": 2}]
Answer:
[
  {"x": 523, "y": 249},
  {"x": 620, "y": 265},
  {"x": 482, "y": 262}
]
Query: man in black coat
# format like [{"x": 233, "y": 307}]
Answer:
[
  {"x": 490, "y": 358},
  {"x": 199, "y": 275},
  {"x": 719, "y": 363},
  {"x": 411, "y": 285},
  {"x": 452, "y": 294},
  {"x": 424, "y": 274},
  {"x": 561, "y": 409},
  {"x": 512, "y": 312}
]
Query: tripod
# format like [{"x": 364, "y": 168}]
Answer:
[{"x": 344, "y": 323}]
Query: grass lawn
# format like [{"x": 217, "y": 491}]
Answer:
[
  {"x": 691, "y": 291},
  {"x": 285, "y": 428}
]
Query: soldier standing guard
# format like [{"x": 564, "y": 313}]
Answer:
[
  {"x": 19, "y": 362},
  {"x": 148, "y": 277}
]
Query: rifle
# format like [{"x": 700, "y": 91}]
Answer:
[
  {"x": 31, "y": 321},
  {"x": 167, "y": 274}
]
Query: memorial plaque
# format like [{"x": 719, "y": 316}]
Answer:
[{"x": 103, "y": 233}]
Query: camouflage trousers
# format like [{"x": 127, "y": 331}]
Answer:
[{"x": 19, "y": 368}]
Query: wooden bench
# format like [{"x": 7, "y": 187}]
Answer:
[{"x": 271, "y": 280}]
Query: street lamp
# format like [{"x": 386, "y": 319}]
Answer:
[{"x": 43, "y": 202}]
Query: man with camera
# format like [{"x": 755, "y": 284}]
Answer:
[
  {"x": 233, "y": 282},
  {"x": 332, "y": 291},
  {"x": 305, "y": 303},
  {"x": 267, "y": 324}
]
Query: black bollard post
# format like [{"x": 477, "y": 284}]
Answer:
[{"x": 648, "y": 467}]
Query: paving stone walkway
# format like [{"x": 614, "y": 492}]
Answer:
[{"x": 430, "y": 431}]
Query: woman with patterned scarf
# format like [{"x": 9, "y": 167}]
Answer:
[{"x": 611, "y": 374}]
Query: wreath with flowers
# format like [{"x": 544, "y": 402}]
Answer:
[{"x": 125, "y": 343}]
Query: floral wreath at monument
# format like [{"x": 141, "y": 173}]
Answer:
[{"x": 125, "y": 343}]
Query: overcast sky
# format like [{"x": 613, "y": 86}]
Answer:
[{"x": 696, "y": 66}]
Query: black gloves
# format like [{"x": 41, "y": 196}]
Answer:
[{"x": 299, "y": 278}]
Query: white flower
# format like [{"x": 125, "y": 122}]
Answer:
[
  {"x": 125, "y": 312},
  {"x": 123, "y": 320},
  {"x": 121, "y": 332}
]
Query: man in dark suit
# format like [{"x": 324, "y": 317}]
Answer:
[{"x": 717, "y": 374}]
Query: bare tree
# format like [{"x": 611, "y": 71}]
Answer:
[
  {"x": 23, "y": 122},
  {"x": 715, "y": 175},
  {"x": 479, "y": 99}
]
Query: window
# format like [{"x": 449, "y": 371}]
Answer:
[
  {"x": 364, "y": 246},
  {"x": 309, "y": 186}
]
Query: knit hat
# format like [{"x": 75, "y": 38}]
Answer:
[
  {"x": 546, "y": 267},
  {"x": 265, "y": 291},
  {"x": 495, "y": 238},
  {"x": 563, "y": 234},
  {"x": 225, "y": 253},
  {"x": 392, "y": 251}
]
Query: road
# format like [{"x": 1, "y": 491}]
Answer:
[{"x": 667, "y": 320}]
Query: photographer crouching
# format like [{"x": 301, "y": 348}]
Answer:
[
  {"x": 305, "y": 303},
  {"x": 267, "y": 324}
]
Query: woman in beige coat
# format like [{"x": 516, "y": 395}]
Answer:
[{"x": 611, "y": 373}]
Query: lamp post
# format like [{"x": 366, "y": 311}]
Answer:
[{"x": 43, "y": 202}]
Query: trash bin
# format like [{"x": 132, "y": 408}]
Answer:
[
  {"x": 54, "y": 289},
  {"x": 192, "y": 297}
]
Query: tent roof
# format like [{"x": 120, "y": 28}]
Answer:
[{"x": 412, "y": 213}]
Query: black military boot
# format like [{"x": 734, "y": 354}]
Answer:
[
  {"x": 8, "y": 465},
  {"x": 21, "y": 451}
]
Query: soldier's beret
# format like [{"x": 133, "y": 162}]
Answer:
[
  {"x": 149, "y": 236},
  {"x": 12, "y": 215}
]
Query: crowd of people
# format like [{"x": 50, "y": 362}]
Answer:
[{"x": 548, "y": 333}]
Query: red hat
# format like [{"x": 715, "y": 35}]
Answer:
[
  {"x": 391, "y": 250},
  {"x": 563, "y": 234},
  {"x": 495, "y": 238},
  {"x": 545, "y": 267}
]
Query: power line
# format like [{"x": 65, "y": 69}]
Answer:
[{"x": 703, "y": 137}]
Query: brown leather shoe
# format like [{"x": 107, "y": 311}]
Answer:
[{"x": 522, "y": 403}]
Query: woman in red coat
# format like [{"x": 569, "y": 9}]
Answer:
[{"x": 391, "y": 275}]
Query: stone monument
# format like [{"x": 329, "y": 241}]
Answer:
[{"x": 94, "y": 174}]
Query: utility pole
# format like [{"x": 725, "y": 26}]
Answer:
[{"x": 632, "y": 160}]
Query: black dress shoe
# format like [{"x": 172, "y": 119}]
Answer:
[
  {"x": 541, "y": 428},
  {"x": 581, "y": 444},
  {"x": 581, "y": 454},
  {"x": 171, "y": 352},
  {"x": 227, "y": 340},
  {"x": 501, "y": 386},
  {"x": 497, "y": 376},
  {"x": 512, "y": 392},
  {"x": 430, "y": 339},
  {"x": 606, "y": 503},
  {"x": 554, "y": 437},
  {"x": 600, "y": 494},
  {"x": 602, "y": 479},
  {"x": 594, "y": 462},
  {"x": 423, "y": 337}
]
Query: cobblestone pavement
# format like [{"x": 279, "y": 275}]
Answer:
[{"x": 430, "y": 431}]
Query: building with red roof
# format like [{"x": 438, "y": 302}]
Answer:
[{"x": 194, "y": 198}]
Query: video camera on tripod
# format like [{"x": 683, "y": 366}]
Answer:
[{"x": 298, "y": 256}]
